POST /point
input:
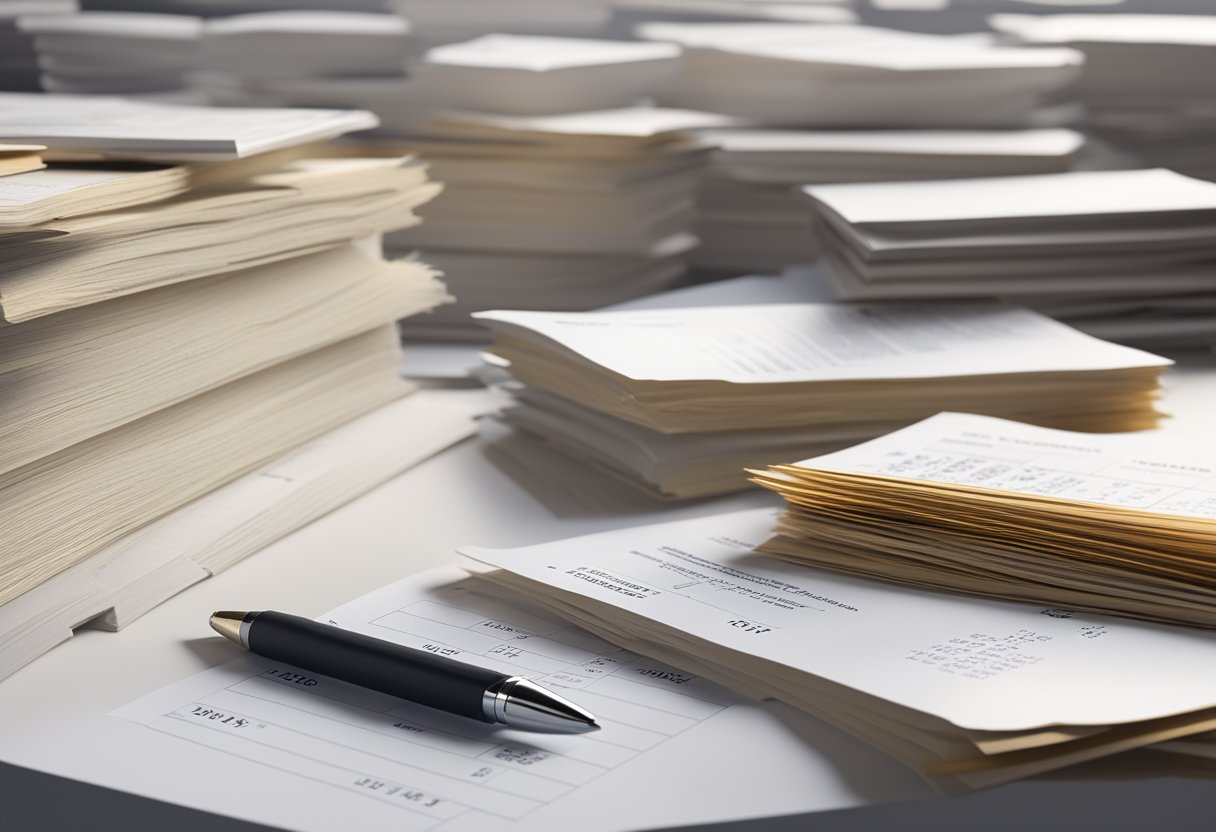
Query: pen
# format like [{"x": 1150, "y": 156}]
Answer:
[{"x": 415, "y": 675}]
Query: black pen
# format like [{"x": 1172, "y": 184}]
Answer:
[{"x": 415, "y": 675}]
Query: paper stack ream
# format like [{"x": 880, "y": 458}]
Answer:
[
  {"x": 1145, "y": 79},
  {"x": 1084, "y": 245},
  {"x": 949, "y": 685},
  {"x": 345, "y": 59},
  {"x": 573, "y": 211},
  {"x": 531, "y": 76},
  {"x": 674, "y": 399},
  {"x": 117, "y": 53},
  {"x": 1111, "y": 524},
  {"x": 168, "y": 330},
  {"x": 754, "y": 219},
  {"x": 792, "y": 75}
]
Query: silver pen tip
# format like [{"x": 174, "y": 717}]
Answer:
[{"x": 532, "y": 708}]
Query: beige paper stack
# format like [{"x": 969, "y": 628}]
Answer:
[
  {"x": 1111, "y": 524},
  {"x": 170, "y": 328}
]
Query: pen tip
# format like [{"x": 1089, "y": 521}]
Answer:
[{"x": 228, "y": 624}]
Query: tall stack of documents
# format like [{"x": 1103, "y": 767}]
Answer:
[
  {"x": 1110, "y": 524},
  {"x": 1147, "y": 81},
  {"x": 169, "y": 328},
  {"x": 678, "y": 400},
  {"x": 970, "y": 692},
  {"x": 560, "y": 212},
  {"x": 123, "y": 53},
  {"x": 1128, "y": 255},
  {"x": 753, "y": 218},
  {"x": 320, "y": 58},
  {"x": 793, "y": 75}
]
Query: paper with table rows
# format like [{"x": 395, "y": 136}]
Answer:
[
  {"x": 1124, "y": 470},
  {"x": 981, "y": 664},
  {"x": 383, "y": 763}
]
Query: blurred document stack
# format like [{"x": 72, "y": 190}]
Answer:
[
  {"x": 170, "y": 328},
  {"x": 791, "y": 75},
  {"x": 754, "y": 219},
  {"x": 1126, "y": 255},
  {"x": 679, "y": 400},
  {"x": 627, "y": 14},
  {"x": 321, "y": 58},
  {"x": 1147, "y": 82},
  {"x": 556, "y": 212},
  {"x": 1109, "y": 524},
  {"x": 124, "y": 53},
  {"x": 953, "y": 687},
  {"x": 18, "y": 57},
  {"x": 448, "y": 21}
]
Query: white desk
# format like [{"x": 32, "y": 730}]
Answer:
[{"x": 414, "y": 523}]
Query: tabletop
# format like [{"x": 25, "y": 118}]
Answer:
[{"x": 474, "y": 493}]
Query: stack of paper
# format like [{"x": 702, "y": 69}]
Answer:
[
  {"x": 1146, "y": 81},
  {"x": 168, "y": 330},
  {"x": 855, "y": 76},
  {"x": 677, "y": 400},
  {"x": 305, "y": 58},
  {"x": 752, "y": 217},
  {"x": 20, "y": 158},
  {"x": 1138, "y": 237},
  {"x": 448, "y": 21},
  {"x": 528, "y": 75},
  {"x": 562, "y": 212},
  {"x": 628, "y": 14},
  {"x": 114, "y": 52},
  {"x": 18, "y": 57},
  {"x": 969, "y": 692},
  {"x": 1111, "y": 524}
]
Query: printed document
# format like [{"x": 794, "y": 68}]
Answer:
[
  {"x": 318, "y": 754},
  {"x": 980, "y": 664}
]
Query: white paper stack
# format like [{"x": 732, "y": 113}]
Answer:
[
  {"x": 115, "y": 52},
  {"x": 796, "y": 75},
  {"x": 1080, "y": 245},
  {"x": 320, "y": 58},
  {"x": 628, "y": 14},
  {"x": 753, "y": 217},
  {"x": 1147, "y": 81},
  {"x": 677, "y": 401},
  {"x": 448, "y": 21},
  {"x": 18, "y": 57},
  {"x": 527, "y": 75},
  {"x": 167, "y": 330},
  {"x": 561, "y": 212}
]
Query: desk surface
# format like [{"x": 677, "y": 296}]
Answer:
[{"x": 415, "y": 522}]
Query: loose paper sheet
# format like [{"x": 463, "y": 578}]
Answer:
[
  {"x": 824, "y": 342},
  {"x": 980, "y": 664}
]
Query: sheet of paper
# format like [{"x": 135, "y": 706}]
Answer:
[
  {"x": 104, "y": 124},
  {"x": 315, "y": 753},
  {"x": 1045, "y": 142},
  {"x": 821, "y": 342},
  {"x": 1086, "y": 193},
  {"x": 980, "y": 664},
  {"x": 1126, "y": 470},
  {"x": 540, "y": 54}
]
